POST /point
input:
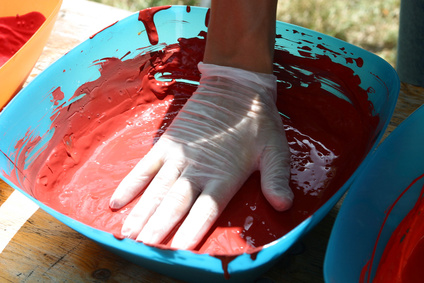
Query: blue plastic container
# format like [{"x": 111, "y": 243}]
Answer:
[
  {"x": 32, "y": 108},
  {"x": 396, "y": 163}
]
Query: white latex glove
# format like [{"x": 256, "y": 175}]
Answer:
[{"x": 229, "y": 128}]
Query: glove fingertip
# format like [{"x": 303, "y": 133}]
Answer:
[
  {"x": 115, "y": 204},
  {"x": 281, "y": 201},
  {"x": 119, "y": 198},
  {"x": 277, "y": 191}
]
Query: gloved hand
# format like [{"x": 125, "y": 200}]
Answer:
[{"x": 229, "y": 128}]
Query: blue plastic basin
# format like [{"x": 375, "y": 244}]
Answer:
[
  {"x": 392, "y": 168},
  {"x": 31, "y": 109}
]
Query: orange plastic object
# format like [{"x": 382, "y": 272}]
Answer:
[{"x": 16, "y": 70}]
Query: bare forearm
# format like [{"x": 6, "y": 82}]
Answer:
[{"x": 242, "y": 34}]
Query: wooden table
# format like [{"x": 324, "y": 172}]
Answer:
[{"x": 35, "y": 247}]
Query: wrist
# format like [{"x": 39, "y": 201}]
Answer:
[
  {"x": 254, "y": 80},
  {"x": 241, "y": 34}
]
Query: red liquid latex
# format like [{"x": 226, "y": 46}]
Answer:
[
  {"x": 16, "y": 31},
  {"x": 146, "y": 16},
  {"x": 403, "y": 258},
  {"x": 99, "y": 137}
]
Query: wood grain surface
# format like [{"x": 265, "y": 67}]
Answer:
[{"x": 43, "y": 249}]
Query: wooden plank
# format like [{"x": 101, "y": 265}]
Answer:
[{"x": 14, "y": 212}]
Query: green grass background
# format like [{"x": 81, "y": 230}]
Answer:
[{"x": 370, "y": 24}]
